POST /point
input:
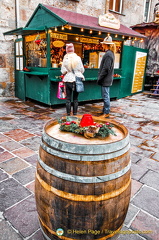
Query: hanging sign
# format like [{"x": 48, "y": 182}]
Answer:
[
  {"x": 109, "y": 20},
  {"x": 58, "y": 44}
]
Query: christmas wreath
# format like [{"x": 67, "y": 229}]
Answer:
[{"x": 86, "y": 128}]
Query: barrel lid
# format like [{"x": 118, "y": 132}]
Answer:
[{"x": 73, "y": 143}]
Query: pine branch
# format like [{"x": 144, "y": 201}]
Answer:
[{"x": 96, "y": 130}]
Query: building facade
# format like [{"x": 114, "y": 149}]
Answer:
[{"x": 15, "y": 14}]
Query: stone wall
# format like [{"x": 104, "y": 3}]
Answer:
[
  {"x": 7, "y": 22},
  {"x": 131, "y": 10}
]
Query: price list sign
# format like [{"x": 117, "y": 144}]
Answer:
[{"x": 139, "y": 71}]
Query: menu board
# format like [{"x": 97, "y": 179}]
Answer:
[
  {"x": 139, "y": 71},
  {"x": 117, "y": 60},
  {"x": 100, "y": 58},
  {"x": 93, "y": 59}
]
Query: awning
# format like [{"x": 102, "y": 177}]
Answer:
[
  {"x": 45, "y": 17},
  {"x": 23, "y": 31}
]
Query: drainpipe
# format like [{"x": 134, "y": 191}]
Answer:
[
  {"x": 107, "y": 6},
  {"x": 17, "y": 13},
  {"x": 148, "y": 16}
]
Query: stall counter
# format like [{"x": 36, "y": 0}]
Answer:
[{"x": 42, "y": 85}]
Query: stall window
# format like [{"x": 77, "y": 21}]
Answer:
[
  {"x": 36, "y": 46},
  {"x": 89, "y": 49},
  {"x": 116, "y": 5},
  {"x": 57, "y": 48},
  {"x": 91, "y": 55},
  {"x": 116, "y": 48},
  {"x": 19, "y": 54},
  {"x": 147, "y": 10}
]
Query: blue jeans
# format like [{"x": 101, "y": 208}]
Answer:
[{"x": 106, "y": 99}]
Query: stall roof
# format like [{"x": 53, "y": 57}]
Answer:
[
  {"x": 46, "y": 16},
  {"x": 23, "y": 31},
  {"x": 86, "y": 21}
]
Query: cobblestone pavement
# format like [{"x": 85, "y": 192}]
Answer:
[{"x": 21, "y": 125}]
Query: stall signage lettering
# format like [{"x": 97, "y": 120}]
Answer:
[
  {"x": 109, "y": 20},
  {"x": 89, "y": 40},
  {"x": 59, "y": 36},
  {"x": 33, "y": 37}
]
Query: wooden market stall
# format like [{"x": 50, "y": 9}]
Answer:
[{"x": 42, "y": 48}]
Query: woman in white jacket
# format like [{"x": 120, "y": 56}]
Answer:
[{"x": 72, "y": 66}]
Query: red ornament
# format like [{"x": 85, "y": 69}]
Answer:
[
  {"x": 26, "y": 69},
  {"x": 67, "y": 123},
  {"x": 86, "y": 120},
  {"x": 38, "y": 41},
  {"x": 73, "y": 122},
  {"x": 98, "y": 125},
  {"x": 62, "y": 76}
]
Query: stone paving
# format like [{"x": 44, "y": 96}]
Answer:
[{"x": 21, "y": 125}]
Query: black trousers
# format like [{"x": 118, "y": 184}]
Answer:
[{"x": 71, "y": 89}]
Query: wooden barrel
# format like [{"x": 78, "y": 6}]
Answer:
[{"x": 82, "y": 186}]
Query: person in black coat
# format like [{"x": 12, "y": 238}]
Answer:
[{"x": 106, "y": 72}]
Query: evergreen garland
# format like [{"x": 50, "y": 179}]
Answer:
[{"x": 101, "y": 130}]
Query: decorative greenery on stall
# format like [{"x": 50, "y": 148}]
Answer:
[
  {"x": 60, "y": 77},
  {"x": 86, "y": 128},
  {"x": 37, "y": 39}
]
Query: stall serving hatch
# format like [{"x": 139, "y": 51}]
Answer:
[{"x": 40, "y": 51}]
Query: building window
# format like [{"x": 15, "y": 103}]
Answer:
[
  {"x": 147, "y": 10},
  {"x": 19, "y": 54},
  {"x": 115, "y": 5}
]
